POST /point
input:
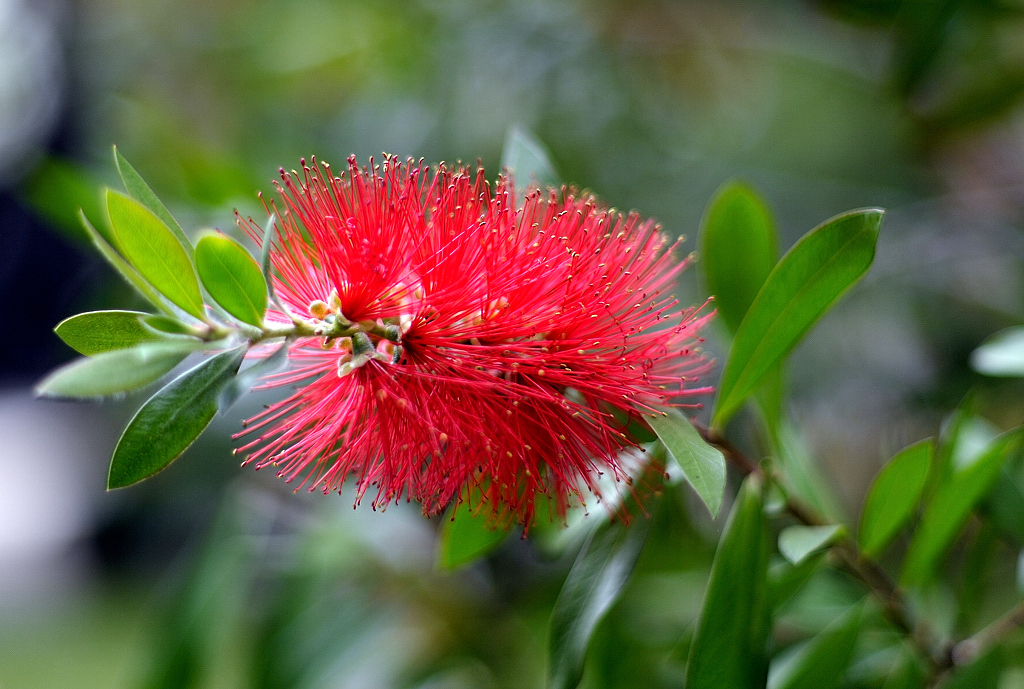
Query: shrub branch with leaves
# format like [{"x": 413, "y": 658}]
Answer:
[{"x": 561, "y": 386}]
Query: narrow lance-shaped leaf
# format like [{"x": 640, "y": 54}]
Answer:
[
  {"x": 593, "y": 585},
  {"x": 730, "y": 644},
  {"x": 130, "y": 275},
  {"x": 111, "y": 373},
  {"x": 245, "y": 379},
  {"x": 738, "y": 250},
  {"x": 139, "y": 190},
  {"x": 102, "y": 331},
  {"x": 702, "y": 465},
  {"x": 232, "y": 277},
  {"x": 171, "y": 420},
  {"x": 467, "y": 534},
  {"x": 798, "y": 542},
  {"x": 821, "y": 663},
  {"x": 267, "y": 265},
  {"x": 806, "y": 282},
  {"x": 155, "y": 252},
  {"x": 893, "y": 496},
  {"x": 528, "y": 160},
  {"x": 951, "y": 504}
]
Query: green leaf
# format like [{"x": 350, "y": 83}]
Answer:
[
  {"x": 785, "y": 579},
  {"x": 821, "y": 663},
  {"x": 232, "y": 277},
  {"x": 102, "y": 331},
  {"x": 244, "y": 380},
  {"x": 703, "y": 465},
  {"x": 808, "y": 280},
  {"x": 952, "y": 503},
  {"x": 155, "y": 252},
  {"x": 738, "y": 250},
  {"x": 730, "y": 643},
  {"x": 798, "y": 542},
  {"x": 893, "y": 496},
  {"x": 982, "y": 673},
  {"x": 171, "y": 420},
  {"x": 467, "y": 534},
  {"x": 594, "y": 583},
  {"x": 166, "y": 325},
  {"x": 111, "y": 373},
  {"x": 130, "y": 275},
  {"x": 141, "y": 192},
  {"x": 907, "y": 673},
  {"x": 1001, "y": 355},
  {"x": 527, "y": 159}
]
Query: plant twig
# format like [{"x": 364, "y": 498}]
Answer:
[{"x": 894, "y": 604}]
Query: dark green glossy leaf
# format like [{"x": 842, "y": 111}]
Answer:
[
  {"x": 171, "y": 420},
  {"x": 111, "y": 373},
  {"x": 130, "y": 275},
  {"x": 528, "y": 160},
  {"x": 703, "y": 465},
  {"x": 245, "y": 379},
  {"x": 594, "y": 583},
  {"x": 893, "y": 496},
  {"x": 102, "y": 331},
  {"x": 467, "y": 534},
  {"x": 730, "y": 643},
  {"x": 785, "y": 579},
  {"x": 155, "y": 252},
  {"x": 141, "y": 192},
  {"x": 1001, "y": 355},
  {"x": 949, "y": 507},
  {"x": 232, "y": 277},
  {"x": 798, "y": 542},
  {"x": 808, "y": 280},
  {"x": 821, "y": 663},
  {"x": 738, "y": 250}
]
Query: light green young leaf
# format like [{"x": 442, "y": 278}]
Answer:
[
  {"x": 702, "y": 465},
  {"x": 821, "y": 663},
  {"x": 730, "y": 644},
  {"x": 466, "y": 535},
  {"x": 798, "y": 542},
  {"x": 951, "y": 504},
  {"x": 232, "y": 277},
  {"x": 808, "y": 280},
  {"x": 528, "y": 160},
  {"x": 171, "y": 420},
  {"x": 102, "y": 331},
  {"x": 1001, "y": 355},
  {"x": 155, "y": 252},
  {"x": 130, "y": 275},
  {"x": 893, "y": 496},
  {"x": 593, "y": 585},
  {"x": 111, "y": 373},
  {"x": 141, "y": 192},
  {"x": 738, "y": 249}
]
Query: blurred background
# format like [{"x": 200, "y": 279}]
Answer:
[{"x": 214, "y": 576}]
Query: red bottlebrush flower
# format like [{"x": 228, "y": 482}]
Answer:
[{"x": 472, "y": 343}]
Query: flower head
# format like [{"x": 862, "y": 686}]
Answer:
[{"x": 464, "y": 341}]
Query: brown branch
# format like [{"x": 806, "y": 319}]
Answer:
[{"x": 894, "y": 604}]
